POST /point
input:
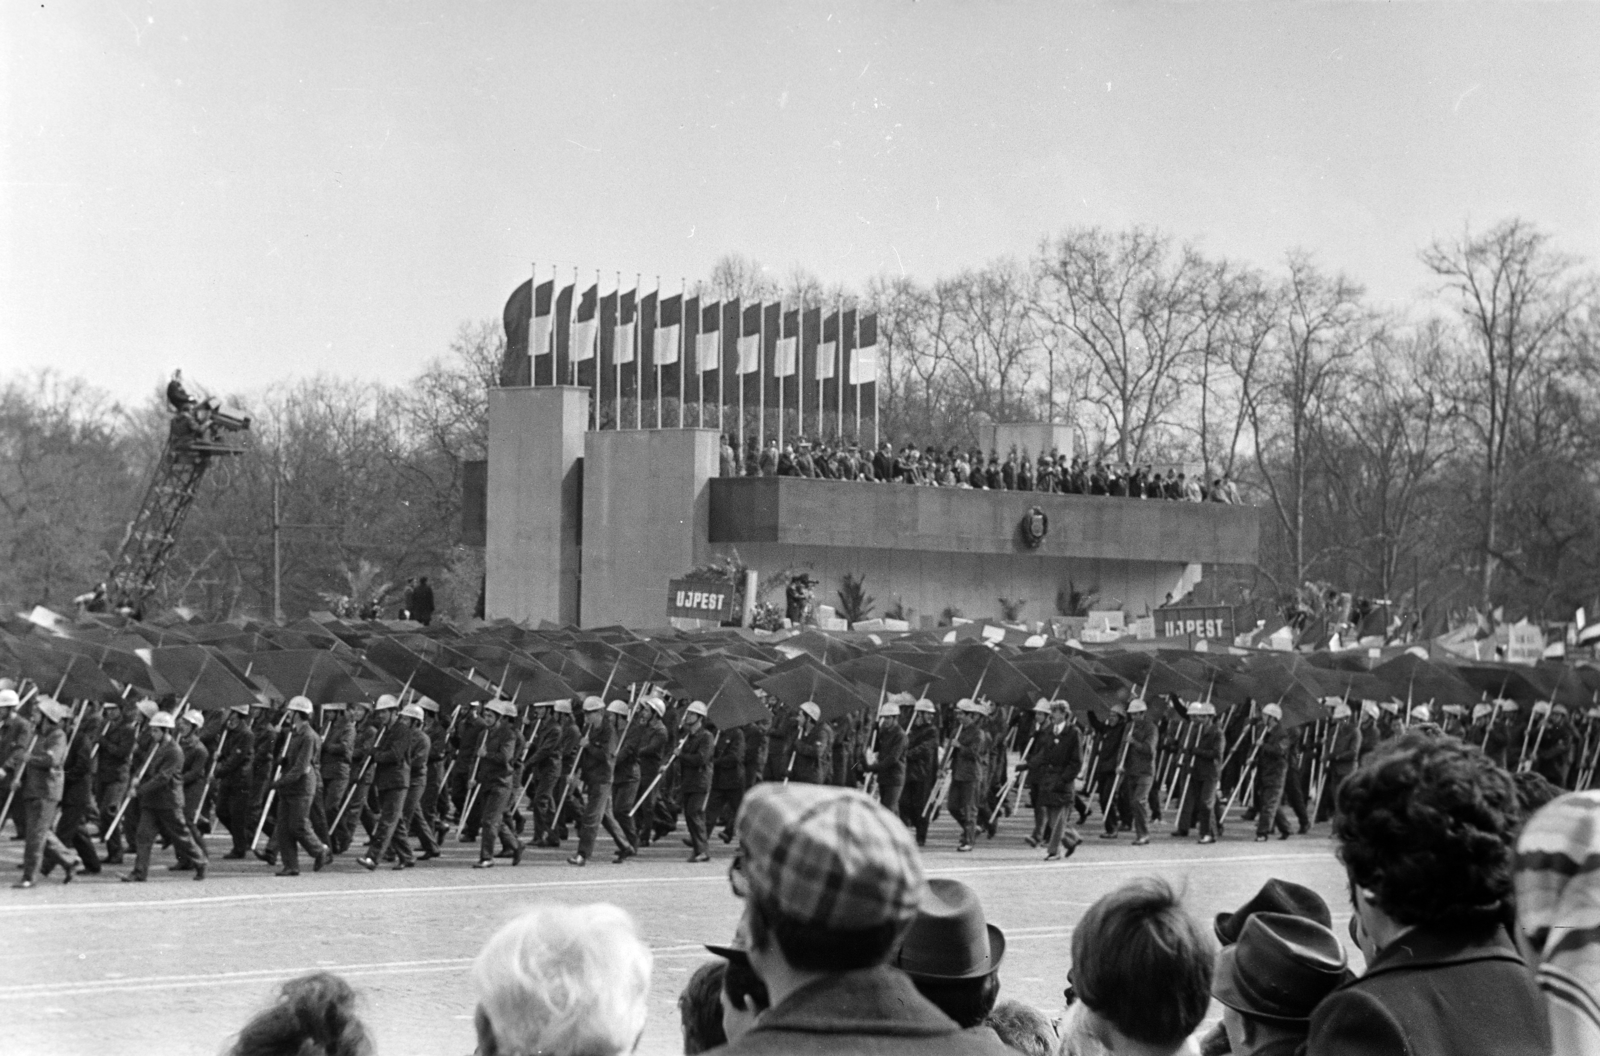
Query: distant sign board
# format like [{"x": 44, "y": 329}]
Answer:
[
  {"x": 1524, "y": 643},
  {"x": 702, "y": 599},
  {"x": 1211, "y": 621}
]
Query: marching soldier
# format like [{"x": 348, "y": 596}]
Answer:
[
  {"x": 35, "y": 768},
  {"x": 922, "y": 768},
  {"x": 1111, "y": 732},
  {"x": 1199, "y": 804},
  {"x": 1272, "y": 762},
  {"x": 77, "y": 799},
  {"x": 1343, "y": 752},
  {"x": 338, "y": 747},
  {"x": 652, "y": 755},
  {"x": 727, "y": 782},
  {"x": 296, "y": 786},
  {"x": 263, "y": 760},
  {"x": 432, "y": 807},
  {"x": 596, "y": 763},
  {"x": 418, "y": 747},
  {"x": 967, "y": 770},
  {"x": 694, "y": 782},
  {"x": 470, "y": 731},
  {"x": 546, "y": 763},
  {"x": 625, "y": 781},
  {"x": 497, "y": 777},
  {"x": 1554, "y": 757},
  {"x": 755, "y": 752},
  {"x": 113, "y": 770},
  {"x": 161, "y": 804},
  {"x": 196, "y": 765},
  {"x": 888, "y": 759},
  {"x": 354, "y": 804},
  {"x": 810, "y": 746},
  {"x": 391, "y": 766},
  {"x": 1138, "y": 770},
  {"x": 1043, "y": 709},
  {"x": 234, "y": 793}
]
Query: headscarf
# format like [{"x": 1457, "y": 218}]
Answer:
[{"x": 1558, "y": 910}]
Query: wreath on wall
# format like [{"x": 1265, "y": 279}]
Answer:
[{"x": 1035, "y": 526}]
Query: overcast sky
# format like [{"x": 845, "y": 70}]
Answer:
[{"x": 256, "y": 192}]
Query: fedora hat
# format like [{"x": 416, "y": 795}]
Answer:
[
  {"x": 949, "y": 939},
  {"x": 1280, "y": 968},
  {"x": 1275, "y": 896}
]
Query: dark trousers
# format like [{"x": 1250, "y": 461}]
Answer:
[
  {"x": 294, "y": 831},
  {"x": 1132, "y": 799},
  {"x": 1337, "y": 772},
  {"x": 326, "y": 805},
  {"x": 43, "y": 845},
  {"x": 1111, "y": 811},
  {"x": 391, "y": 801},
  {"x": 1199, "y": 806},
  {"x": 623, "y": 796},
  {"x": 1269, "y": 797},
  {"x": 1057, "y": 829},
  {"x": 963, "y": 806},
  {"x": 1294, "y": 794},
  {"x": 644, "y": 815},
  {"x": 913, "y": 804},
  {"x": 694, "y": 817},
  {"x": 492, "y": 826},
  {"x": 163, "y": 821},
  {"x": 545, "y": 786},
  {"x": 722, "y": 806},
  {"x": 109, "y": 793},
  {"x": 233, "y": 810},
  {"x": 74, "y": 812},
  {"x": 596, "y": 811},
  {"x": 343, "y": 830},
  {"x": 889, "y": 793}
]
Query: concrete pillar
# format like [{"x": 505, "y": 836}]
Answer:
[
  {"x": 646, "y": 519},
  {"x": 533, "y": 554}
]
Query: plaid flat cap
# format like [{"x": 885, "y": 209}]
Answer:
[{"x": 828, "y": 857}]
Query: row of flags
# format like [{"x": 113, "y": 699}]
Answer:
[{"x": 652, "y": 330}]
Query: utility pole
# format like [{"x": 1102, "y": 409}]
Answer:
[{"x": 278, "y": 525}]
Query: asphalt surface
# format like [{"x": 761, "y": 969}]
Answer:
[{"x": 174, "y": 967}]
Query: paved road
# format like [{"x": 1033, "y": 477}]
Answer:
[{"x": 173, "y": 967}]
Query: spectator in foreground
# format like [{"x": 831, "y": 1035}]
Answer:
[
  {"x": 1558, "y": 887},
  {"x": 1022, "y": 1028},
  {"x": 1425, "y": 830},
  {"x": 744, "y": 995},
  {"x": 1141, "y": 970},
  {"x": 562, "y": 981},
  {"x": 700, "y": 1008},
  {"x": 952, "y": 954},
  {"x": 831, "y": 881},
  {"x": 314, "y": 1015},
  {"x": 1271, "y": 979}
]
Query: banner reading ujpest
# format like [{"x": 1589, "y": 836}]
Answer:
[
  {"x": 702, "y": 599},
  {"x": 1210, "y": 621}
]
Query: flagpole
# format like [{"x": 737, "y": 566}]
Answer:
[
  {"x": 638, "y": 355},
  {"x": 595, "y": 373},
  {"x": 761, "y": 384},
  {"x": 683, "y": 336},
  {"x": 876, "y": 373},
  {"x": 781, "y": 408},
  {"x": 739, "y": 373},
  {"x": 653, "y": 351},
  {"x": 855, "y": 350},
  {"x": 838, "y": 370},
  {"x": 722, "y": 344},
  {"x": 533, "y": 313},
  {"x": 699, "y": 339},
  {"x": 572, "y": 325},
  {"x": 800, "y": 369},
  {"x": 616, "y": 362}
]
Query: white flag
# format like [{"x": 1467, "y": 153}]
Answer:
[
  {"x": 750, "y": 354},
  {"x": 825, "y": 354},
  {"x": 783, "y": 364},
  {"x": 667, "y": 345},
  {"x": 539, "y": 331},
  {"x": 864, "y": 365},
  {"x": 583, "y": 339},
  {"x": 708, "y": 351},
  {"x": 622, "y": 348}
]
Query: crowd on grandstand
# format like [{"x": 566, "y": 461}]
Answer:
[
  {"x": 1472, "y": 919},
  {"x": 955, "y": 468}
]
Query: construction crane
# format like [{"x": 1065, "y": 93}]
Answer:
[{"x": 200, "y": 432}]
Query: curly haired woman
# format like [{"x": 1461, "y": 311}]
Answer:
[{"x": 1426, "y": 829}]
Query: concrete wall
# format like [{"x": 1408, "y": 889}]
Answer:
[
  {"x": 646, "y": 519},
  {"x": 532, "y": 556},
  {"x": 837, "y": 514}
]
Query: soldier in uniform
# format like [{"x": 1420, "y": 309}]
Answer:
[
  {"x": 887, "y": 757},
  {"x": 652, "y": 754},
  {"x": 1042, "y": 710},
  {"x": 544, "y": 760},
  {"x": 1272, "y": 763},
  {"x": 810, "y": 749},
  {"x": 625, "y": 779},
  {"x": 497, "y": 776},
  {"x": 296, "y": 786},
  {"x": 77, "y": 799},
  {"x": 470, "y": 731},
  {"x": 1343, "y": 751},
  {"x": 1108, "y": 762},
  {"x": 161, "y": 803},
  {"x": 694, "y": 778},
  {"x": 844, "y": 740},
  {"x": 1138, "y": 770},
  {"x": 567, "y": 746},
  {"x": 338, "y": 748},
  {"x": 1553, "y": 759},
  {"x": 113, "y": 771},
  {"x": 597, "y": 761},
  {"x": 354, "y": 803},
  {"x": 418, "y": 748},
  {"x": 234, "y": 794},
  {"x": 1199, "y": 806},
  {"x": 968, "y": 770},
  {"x": 430, "y": 819},
  {"x": 196, "y": 765},
  {"x": 391, "y": 769},
  {"x": 755, "y": 752},
  {"x": 1053, "y": 766},
  {"x": 727, "y": 782},
  {"x": 922, "y": 768},
  {"x": 35, "y": 768},
  {"x": 264, "y": 758}
]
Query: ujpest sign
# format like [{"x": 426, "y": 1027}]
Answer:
[
  {"x": 1212, "y": 621},
  {"x": 701, "y": 599}
]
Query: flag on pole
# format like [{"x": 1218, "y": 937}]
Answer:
[
  {"x": 667, "y": 330},
  {"x": 708, "y": 345},
  {"x": 627, "y": 323},
  {"x": 750, "y": 341},
  {"x": 864, "y": 360},
  {"x": 828, "y": 348},
  {"x": 783, "y": 365},
  {"x": 586, "y": 325},
  {"x": 541, "y": 325}
]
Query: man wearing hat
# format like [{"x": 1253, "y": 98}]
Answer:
[
  {"x": 1139, "y": 770},
  {"x": 502, "y": 750},
  {"x": 391, "y": 769},
  {"x": 1553, "y": 761},
  {"x": 952, "y": 954},
  {"x": 810, "y": 746},
  {"x": 196, "y": 765},
  {"x": 417, "y": 750},
  {"x": 545, "y": 760},
  {"x": 1053, "y": 767},
  {"x": 967, "y": 770},
  {"x": 233, "y": 780},
  {"x": 113, "y": 771},
  {"x": 653, "y": 749},
  {"x": 1343, "y": 751},
  {"x": 1269, "y": 982},
  {"x": 887, "y": 756},
  {"x": 161, "y": 804},
  {"x": 1199, "y": 805},
  {"x": 265, "y": 750},
  {"x": 434, "y": 806},
  {"x": 296, "y": 786},
  {"x": 77, "y": 798},
  {"x": 694, "y": 778},
  {"x": 1271, "y": 770},
  {"x": 922, "y": 767},
  {"x": 468, "y": 738},
  {"x": 625, "y": 777},
  {"x": 338, "y": 748},
  {"x": 727, "y": 782},
  {"x": 831, "y": 882},
  {"x": 35, "y": 769},
  {"x": 596, "y": 762},
  {"x": 1028, "y": 766},
  {"x": 1110, "y": 732}
]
